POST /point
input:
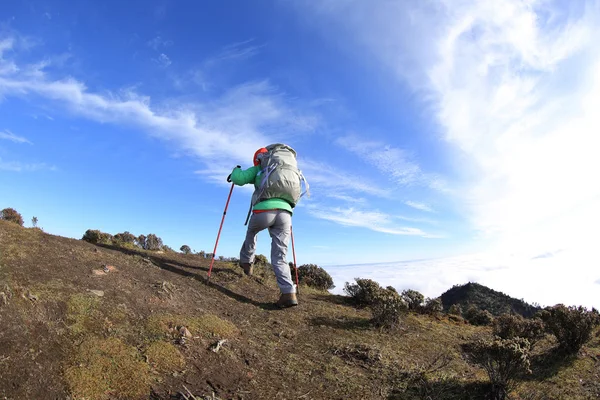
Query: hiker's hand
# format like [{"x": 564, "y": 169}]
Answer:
[{"x": 229, "y": 177}]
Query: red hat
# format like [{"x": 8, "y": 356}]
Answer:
[{"x": 259, "y": 151}]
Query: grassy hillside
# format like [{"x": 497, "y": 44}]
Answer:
[{"x": 94, "y": 322}]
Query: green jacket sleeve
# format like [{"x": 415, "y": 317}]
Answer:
[{"x": 242, "y": 177}]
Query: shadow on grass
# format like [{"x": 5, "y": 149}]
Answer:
[
  {"x": 335, "y": 299},
  {"x": 349, "y": 323},
  {"x": 158, "y": 260},
  {"x": 411, "y": 388},
  {"x": 548, "y": 364},
  {"x": 178, "y": 268}
]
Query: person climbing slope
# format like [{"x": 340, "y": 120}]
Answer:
[{"x": 277, "y": 182}]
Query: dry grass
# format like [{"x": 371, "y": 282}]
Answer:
[{"x": 207, "y": 325}]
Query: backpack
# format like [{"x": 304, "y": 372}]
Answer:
[{"x": 281, "y": 177}]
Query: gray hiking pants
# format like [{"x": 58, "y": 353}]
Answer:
[{"x": 279, "y": 223}]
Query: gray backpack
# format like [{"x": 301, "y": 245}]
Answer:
[{"x": 281, "y": 177}]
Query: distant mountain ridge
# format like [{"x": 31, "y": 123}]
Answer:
[{"x": 488, "y": 299}]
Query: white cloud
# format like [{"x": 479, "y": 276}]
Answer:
[
  {"x": 393, "y": 162},
  {"x": 163, "y": 60},
  {"x": 158, "y": 42},
  {"x": 419, "y": 206},
  {"x": 15, "y": 166},
  {"x": 8, "y": 135},
  {"x": 432, "y": 277},
  {"x": 373, "y": 220},
  {"x": 515, "y": 87}
]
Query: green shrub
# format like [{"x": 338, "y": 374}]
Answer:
[
  {"x": 92, "y": 236},
  {"x": 509, "y": 326},
  {"x": 387, "y": 307},
  {"x": 503, "y": 360},
  {"x": 34, "y": 222},
  {"x": 124, "y": 238},
  {"x": 314, "y": 276},
  {"x": 153, "y": 242},
  {"x": 432, "y": 306},
  {"x": 185, "y": 249},
  {"x": 413, "y": 298},
  {"x": 261, "y": 259},
  {"x": 475, "y": 316},
  {"x": 363, "y": 292},
  {"x": 455, "y": 309},
  {"x": 11, "y": 215},
  {"x": 96, "y": 237},
  {"x": 572, "y": 326}
]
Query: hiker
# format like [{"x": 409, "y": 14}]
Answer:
[{"x": 277, "y": 183}]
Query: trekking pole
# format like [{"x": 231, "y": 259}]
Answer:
[
  {"x": 295, "y": 266},
  {"x": 219, "y": 234}
]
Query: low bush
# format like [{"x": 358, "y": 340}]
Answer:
[
  {"x": 185, "y": 249},
  {"x": 413, "y": 299},
  {"x": 387, "y": 307},
  {"x": 509, "y": 326},
  {"x": 455, "y": 309},
  {"x": 314, "y": 276},
  {"x": 572, "y": 326},
  {"x": 11, "y": 215},
  {"x": 432, "y": 306},
  {"x": 504, "y": 360},
  {"x": 363, "y": 292},
  {"x": 475, "y": 316}
]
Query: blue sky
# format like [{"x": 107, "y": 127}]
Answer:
[{"x": 460, "y": 134}]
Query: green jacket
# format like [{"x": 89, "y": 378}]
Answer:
[{"x": 253, "y": 175}]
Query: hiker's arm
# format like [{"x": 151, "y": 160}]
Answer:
[{"x": 244, "y": 176}]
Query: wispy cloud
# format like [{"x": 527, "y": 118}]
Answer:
[
  {"x": 248, "y": 115},
  {"x": 396, "y": 163},
  {"x": 8, "y": 135},
  {"x": 419, "y": 206},
  {"x": 236, "y": 51},
  {"x": 339, "y": 182},
  {"x": 515, "y": 89},
  {"x": 15, "y": 166},
  {"x": 373, "y": 220},
  {"x": 158, "y": 42},
  {"x": 163, "y": 60}
]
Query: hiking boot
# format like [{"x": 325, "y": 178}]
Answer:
[
  {"x": 247, "y": 267},
  {"x": 287, "y": 300}
]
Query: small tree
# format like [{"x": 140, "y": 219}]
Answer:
[
  {"x": 185, "y": 249},
  {"x": 572, "y": 326},
  {"x": 503, "y": 360},
  {"x": 11, "y": 215},
  {"x": 141, "y": 241},
  {"x": 91, "y": 236},
  {"x": 314, "y": 276},
  {"x": 34, "y": 222},
  {"x": 202, "y": 253},
  {"x": 124, "y": 238},
  {"x": 363, "y": 292},
  {"x": 413, "y": 298},
  {"x": 153, "y": 242}
]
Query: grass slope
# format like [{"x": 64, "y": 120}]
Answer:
[{"x": 145, "y": 327}]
